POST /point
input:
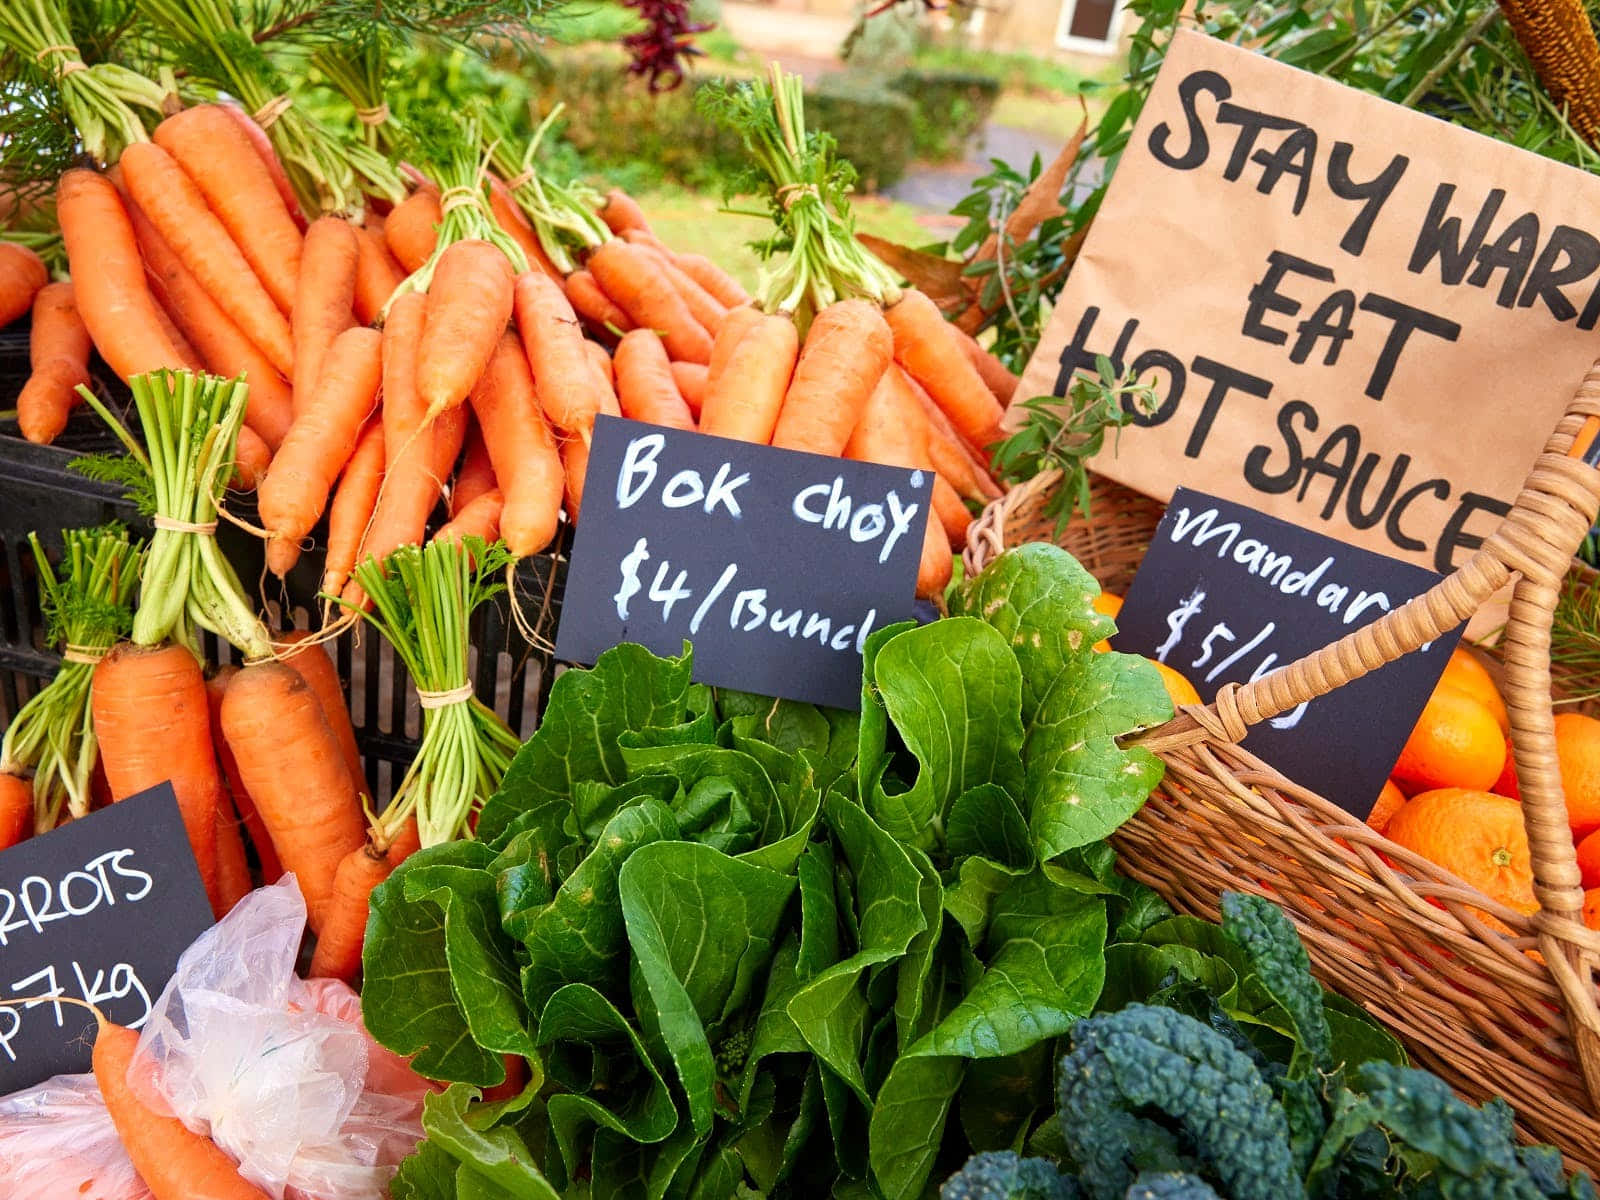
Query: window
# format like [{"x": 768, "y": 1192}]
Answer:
[{"x": 1089, "y": 25}]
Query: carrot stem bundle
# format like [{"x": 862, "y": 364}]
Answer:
[{"x": 562, "y": 217}]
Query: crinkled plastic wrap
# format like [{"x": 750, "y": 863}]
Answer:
[
  {"x": 278, "y": 1070},
  {"x": 57, "y": 1143}
]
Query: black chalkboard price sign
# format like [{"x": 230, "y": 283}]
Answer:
[
  {"x": 99, "y": 910},
  {"x": 776, "y": 565},
  {"x": 1226, "y": 594}
]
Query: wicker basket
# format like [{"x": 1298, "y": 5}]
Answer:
[{"x": 1493, "y": 1014}]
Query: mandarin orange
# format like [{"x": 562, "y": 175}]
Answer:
[
  {"x": 1455, "y": 744},
  {"x": 1110, "y": 604},
  {"x": 1578, "y": 748},
  {"x": 1474, "y": 835},
  {"x": 1389, "y": 802},
  {"x": 1466, "y": 673},
  {"x": 1589, "y": 860}
]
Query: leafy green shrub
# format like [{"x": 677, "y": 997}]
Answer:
[
  {"x": 871, "y": 123},
  {"x": 951, "y": 106}
]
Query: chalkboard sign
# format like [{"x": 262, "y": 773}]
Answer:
[
  {"x": 776, "y": 565},
  {"x": 99, "y": 910},
  {"x": 1226, "y": 594}
]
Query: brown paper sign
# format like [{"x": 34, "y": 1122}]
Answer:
[{"x": 1358, "y": 318}]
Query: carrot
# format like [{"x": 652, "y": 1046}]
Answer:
[
  {"x": 476, "y": 474},
  {"x": 321, "y": 440},
  {"x": 58, "y": 351},
  {"x": 996, "y": 376},
  {"x": 314, "y": 665},
  {"x": 324, "y": 300},
  {"x": 951, "y": 456},
  {"x": 952, "y": 513},
  {"x": 174, "y": 1163},
  {"x": 22, "y": 274},
  {"x": 121, "y": 316},
  {"x": 569, "y": 389},
  {"x": 251, "y": 458},
  {"x": 521, "y": 447},
  {"x": 645, "y": 387},
  {"x": 411, "y": 485},
  {"x": 479, "y": 518},
  {"x": 703, "y": 306},
  {"x": 744, "y": 399},
  {"x": 469, "y": 303},
  {"x": 188, "y": 356},
  {"x": 177, "y": 209},
  {"x": 643, "y": 290},
  {"x": 575, "y": 465},
  {"x": 16, "y": 809},
  {"x": 411, "y": 230},
  {"x": 605, "y": 370},
  {"x": 353, "y": 504},
  {"x": 924, "y": 347},
  {"x": 222, "y": 346},
  {"x": 449, "y": 435},
  {"x": 691, "y": 381},
  {"x": 150, "y": 714},
  {"x": 735, "y": 325},
  {"x": 338, "y": 952},
  {"x": 621, "y": 212},
  {"x": 262, "y": 145},
  {"x": 727, "y": 290},
  {"x": 215, "y": 152},
  {"x": 377, "y": 275},
  {"x": 290, "y": 762},
  {"x": 594, "y": 306},
  {"x": 233, "y": 868},
  {"x": 508, "y": 215},
  {"x": 266, "y": 856},
  {"x": 847, "y": 348},
  {"x": 406, "y": 843}
]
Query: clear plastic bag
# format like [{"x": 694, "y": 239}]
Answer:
[
  {"x": 57, "y": 1141},
  {"x": 278, "y": 1070}
]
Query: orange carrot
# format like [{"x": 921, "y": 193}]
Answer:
[
  {"x": 177, "y": 209},
  {"x": 951, "y": 456},
  {"x": 58, "y": 351},
  {"x": 508, "y": 215},
  {"x": 266, "y": 856},
  {"x": 643, "y": 290},
  {"x": 174, "y": 1163},
  {"x": 449, "y": 435},
  {"x": 575, "y": 465},
  {"x": 353, "y": 504},
  {"x": 406, "y": 843},
  {"x": 522, "y": 449},
  {"x": 703, "y": 306},
  {"x": 16, "y": 809},
  {"x": 113, "y": 299},
  {"x": 604, "y": 370},
  {"x": 994, "y": 373},
  {"x": 594, "y": 306},
  {"x": 469, "y": 303},
  {"x": 223, "y": 348},
  {"x": 568, "y": 387},
  {"x": 290, "y": 762},
  {"x": 233, "y": 868},
  {"x": 22, "y": 274},
  {"x": 321, "y": 440},
  {"x": 480, "y": 518},
  {"x": 220, "y": 157},
  {"x": 645, "y": 387},
  {"x": 476, "y": 474},
  {"x": 744, "y": 399},
  {"x": 324, "y": 300},
  {"x": 621, "y": 212},
  {"x": 924, "y": 347},
  {"x": 251, "y": 458},
  {"x": 952, "y": 513},
  {"x": 691, "y": 381},
  {"x": 411, "y": 485},
  {"x": 735, "y": 325},
  {"x": 188, "y": 356},
  {"x": 314, "y": 665},
  {"x": 847, "y": 348},
  {"x": 412, "y": 228},
  {"x": 377, "y": 275},
  {"x": 262, "y": 145},
  {"x": 150, "y": 714},
  {"x": 727, "y": 290},
  {"x": 338, "y": 952}
]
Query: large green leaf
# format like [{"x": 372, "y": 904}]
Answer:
[
  {"x": 497, "y": 1156},
  {"x": 628, "y": 689},
  {"x": 702, "y": 926},
  {"x": 908, "y": 1121}
]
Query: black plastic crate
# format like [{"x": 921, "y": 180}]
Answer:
[{"x": 39, "y": 493}]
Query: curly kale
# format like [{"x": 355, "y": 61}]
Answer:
[
  {"x": 1005, "y": 1175},
  {"x": 1170, "y": 1185},
  {"x": 1283, "y": 969},
  {"x": 1144, "y": 1058}
]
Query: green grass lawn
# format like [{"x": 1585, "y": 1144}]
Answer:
[{"x": 693, "y": 221}]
